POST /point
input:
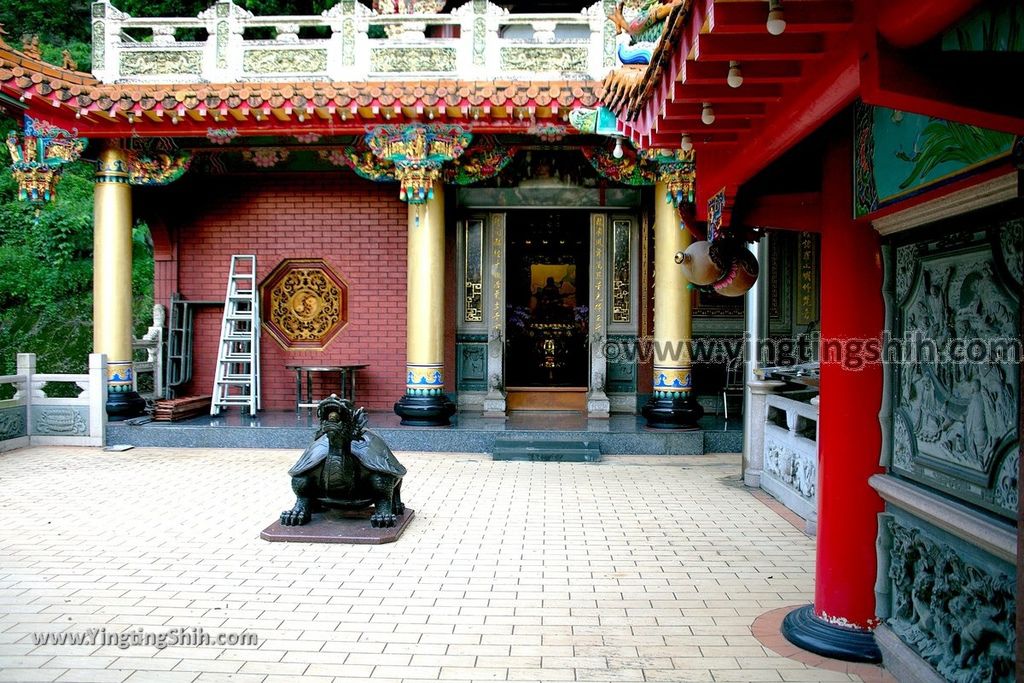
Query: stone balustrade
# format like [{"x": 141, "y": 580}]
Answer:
[
  {"x": 31, "y": 417},
  {"x": 349, "y": 42},
  {"x": 790, "y": 452}
]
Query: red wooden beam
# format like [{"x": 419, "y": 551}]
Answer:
[
  {"x": 711, "y": 46},
  {"x": 699, "y": 138},
  {"x": 753, "y": 92},
  {"x": 753, "y": 72},
  {"x": 966, "y": 87},
  {"x": 805, "y": 16},
  {"x": 686, "y": 111},
  {"x": 833, "y": 87},
  {"x": 697, "y": 127},
  {"x": 798, "y": 211},
  {"x": 906, "y": 23}
]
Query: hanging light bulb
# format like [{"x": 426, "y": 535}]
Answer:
[
  {"x": 735, "y": 77},
  {"x": 686, "y": 144},
  {"x": 776, "y": 23},
  {"x": 707, "y": 114},
  {"x": 617, "y": 152}
]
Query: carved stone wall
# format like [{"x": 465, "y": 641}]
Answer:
[
  {"x": 951, "y": 603},
  {"x": 954, "y": 305}
]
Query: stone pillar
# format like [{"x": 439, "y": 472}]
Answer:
[
  {"x": 425, "y": 403},
  {"x": 755, "y": 411},
  {"x": 839, "y": 622},
  {"x": 112, "y": 281},
  {"x": 672, "y": 404}
]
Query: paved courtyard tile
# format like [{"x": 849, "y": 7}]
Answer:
[{"x": 632, "y": 569}]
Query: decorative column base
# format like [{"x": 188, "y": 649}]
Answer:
[
  {"x": 123, "y": 402},
  {"x": 672, "y": 413},
  {"x": 125, "y": 405},
  {"x": 806, "y": 630},
  {"x": 425, "y": 411}
]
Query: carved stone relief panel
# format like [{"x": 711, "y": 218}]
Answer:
[
  {"x": 951, "y": 603},
  {"x": 12, "y": 423},
  {"x": 954, "y": 396},
  {"x": 60, "y": 420}
]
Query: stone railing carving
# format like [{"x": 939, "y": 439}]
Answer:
[
  {"x": 31, "y": 417},
  {"x": 477, "y": 41},
  {"x": 790, "y": 467}
]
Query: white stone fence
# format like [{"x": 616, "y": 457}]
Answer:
[
  {"x": 32, "y": 418},
  {"x": 477, "y": 41},
  {"x": 784, "y": 447},
  {"x": 791, "y": 454}
]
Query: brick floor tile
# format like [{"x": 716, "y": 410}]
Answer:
[{"x": 663, "y": 586}]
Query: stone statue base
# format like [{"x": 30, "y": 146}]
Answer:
[{"x": 336, "y": 526}]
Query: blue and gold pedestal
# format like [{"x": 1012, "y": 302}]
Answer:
[
  {"x": 425, "y": 403},
  {"x": 672, "y": 405},
  {"x": 123, "y": 401}
]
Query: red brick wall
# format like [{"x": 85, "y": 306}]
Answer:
[{"x": 357, "y": 226}]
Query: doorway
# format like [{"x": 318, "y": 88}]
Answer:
[{"x": 547, "y": 279}]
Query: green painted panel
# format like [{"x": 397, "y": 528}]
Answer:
[
  {"x": 996, "y": 27},
  {"x": 471, "y": 366},
  {"x": 899, "y": 154}
]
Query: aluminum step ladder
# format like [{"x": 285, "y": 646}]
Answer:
[{"x": 237, "y": 382}]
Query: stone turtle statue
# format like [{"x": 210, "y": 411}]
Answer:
[{"x": 347, "y": 468}]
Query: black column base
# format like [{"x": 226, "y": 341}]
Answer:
[
  {"x": 425, "y": 411},
  {"x": 672, "y": 413},
  {"x": 806, "y": 630},
  {"x": 124, "y": 405}
]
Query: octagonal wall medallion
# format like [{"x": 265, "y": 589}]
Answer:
[{"x": 304, "y": 304}]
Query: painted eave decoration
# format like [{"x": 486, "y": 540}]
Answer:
[
  {"x": 38, "y": 157},
  {"x": 304, "y": 304}
]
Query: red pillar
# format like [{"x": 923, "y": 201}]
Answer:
[{"x": 849, "y": 436}]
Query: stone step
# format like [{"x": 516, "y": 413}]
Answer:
[{"x": 538, "y": 450}]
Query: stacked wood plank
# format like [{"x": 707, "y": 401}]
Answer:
[{"x": 175, "y": 409}]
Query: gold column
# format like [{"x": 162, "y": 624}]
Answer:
[
  {"x": 673, "y": 327},
  {"x": 112, "y": 279},
  {"x": 425, "y": 303},
  {"x": 425, "y": 402}
]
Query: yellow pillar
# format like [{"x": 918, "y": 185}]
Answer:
[
  {"x": 112, "y": 279},
  {"x": 672, "y": 404},
  {"x": 425, "y": 402}
]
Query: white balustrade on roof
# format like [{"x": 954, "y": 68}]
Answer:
[{"x": 349, "y": 43}]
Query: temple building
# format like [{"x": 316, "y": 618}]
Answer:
[{"x": 471, "y": 210}]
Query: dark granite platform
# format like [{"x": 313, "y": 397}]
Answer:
[
  {"x": 338, "y": 527},
  {"x": 470, "y": 433}
]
